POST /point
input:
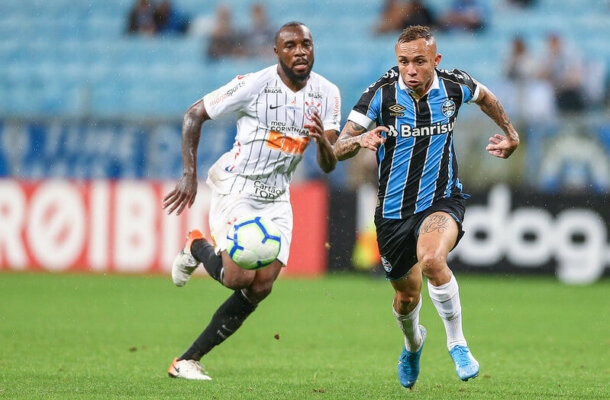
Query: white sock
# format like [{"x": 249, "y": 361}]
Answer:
[
  {"x": 446, "y": 299},
  {"x": 409, "y": 325}
]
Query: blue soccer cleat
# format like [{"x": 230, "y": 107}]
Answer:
[
  {"x": 465, "y": 364},
  {"x": 408, "y": 363}
]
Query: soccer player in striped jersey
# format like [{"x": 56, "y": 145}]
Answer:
[
  {"x": 280, "y": 110},
  {"x": 407, "y": 118}
]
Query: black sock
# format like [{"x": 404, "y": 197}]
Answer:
[
  {"x": 204, "y": 253},
  {"x": 225, "y": 321}
]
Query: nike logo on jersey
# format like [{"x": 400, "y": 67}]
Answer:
[{"x": 274, "y": 107}]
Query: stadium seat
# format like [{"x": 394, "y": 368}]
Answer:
[{"x": 84, "y": 45}]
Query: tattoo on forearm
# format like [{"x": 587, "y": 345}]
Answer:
[
  {"x": 435, "y": 223},
  {"x": 191, "y": 133},
  {"x": 496, "y": 112},
  {"x": 347, "y": 144},
  {"x": 494, "y": 109},
  {"x": 491, "y": 106}
]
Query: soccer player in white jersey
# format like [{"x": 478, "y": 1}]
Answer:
[{"x": 279, "y": 110}]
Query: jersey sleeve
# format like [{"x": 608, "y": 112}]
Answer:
[
  {"x": 470, "y": 86},
  {"x": 367, "y": 110},
  {"x": 230, "y": 97}
]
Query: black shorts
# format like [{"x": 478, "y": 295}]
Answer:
[{"x": 397, "y": 238}]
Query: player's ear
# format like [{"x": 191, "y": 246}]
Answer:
[{"x": 437, "y": 59}]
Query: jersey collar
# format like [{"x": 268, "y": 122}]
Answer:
[{"x": 403, "y": 86}]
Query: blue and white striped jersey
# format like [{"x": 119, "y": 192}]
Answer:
[{"x": 417, "y": 164}]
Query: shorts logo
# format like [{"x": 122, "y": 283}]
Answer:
[
  {"x": 266, "y": 191},
  {"x": 448, "y": 108},
  {"x": 386, "y": 264},
  {"x": 396, "y": 110}
]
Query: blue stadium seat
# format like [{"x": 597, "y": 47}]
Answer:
[{"x": 66, "y": 45}]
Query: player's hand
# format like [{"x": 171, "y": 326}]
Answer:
[
  {"x": 316, "y": 127},
  {"x": 373, "y": 139},
  {"x": 501, "y": 146},
  {"x": 182, "y": 196}
]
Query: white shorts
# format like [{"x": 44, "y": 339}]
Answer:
[{"x": 225, "y": 209}]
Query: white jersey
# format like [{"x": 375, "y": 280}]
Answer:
[{"x": 271, "y": 137}]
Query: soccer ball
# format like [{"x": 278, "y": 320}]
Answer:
[{"x": 253, "y": 242}]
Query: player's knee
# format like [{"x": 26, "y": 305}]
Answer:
[
  {"x": 432, "y": 263},
  {"x": 259, "y": 290},
  {"x": 237, "y": 280},
  {"x": 405, "y": 302},
  {"x": 406, "y": 299}
]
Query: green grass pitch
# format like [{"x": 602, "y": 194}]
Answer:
[{"x": 113, "y": 337}]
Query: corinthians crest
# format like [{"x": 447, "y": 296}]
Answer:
[{"x": 311, "y": 107}]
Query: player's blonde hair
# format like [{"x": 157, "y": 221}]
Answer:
[{"x": 415, "y": 32}]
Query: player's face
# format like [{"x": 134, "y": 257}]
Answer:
[
  {"x": 294, "y": 49},
  {"x": 416, "y": 63}
]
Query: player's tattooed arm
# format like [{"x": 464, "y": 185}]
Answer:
[
  {"x": 183, "y": 195},
  {"x": 353, "y": 137},
  {"x": 190, "y": 143},
  {"x": 500, "y": 146},
  {"x": 348, "y": 143},
  {"x": 494, "y": 109},
  {"x": 193, "y": 119}
]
